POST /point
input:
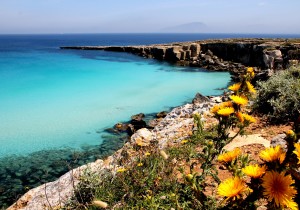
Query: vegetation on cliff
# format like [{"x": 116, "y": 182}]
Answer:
[
  {"x": 279, "y": 97},
  {"x": 189, "y": 175}
]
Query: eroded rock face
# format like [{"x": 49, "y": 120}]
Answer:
[
  {"x": 195, "y": 49},
  {"x": 159, "y": 52},
  {"x": 273, "y": 59},
  {"x": 231, "y": 55}
]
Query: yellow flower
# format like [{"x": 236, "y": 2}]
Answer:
[
  {"x": 229, "y": 156},
  {"x": 297, "y": 151},
  {"x": 99, "y": 204},
  {"x": 226, "y": 111},
  {"x": 235, "y": 87},
  {"x": 215, "y": 109},
  {"x": 184, "y": 141},
  {"x": 250, "y": 87},
  {"x": 254, "y": 171},
  {"x": 277, "y": 188},
  {"x": 252, "y": 74},
  {"x": 250, "y": 69},
  {"x": 272, "y": 154},
  {"x": 249, "y": 118},
  {"x": 232, "y": 188},
  {"x": 210, "y": 143},
  {"x": 239, "y": 100},
  {"x": 140, "y": 164},
  {"x": 222, "y": 105},
  {"x": 121, "y": 170},
  {"x": 239, "y": 115},
  {"x": 226, "y": 104},
  {"x": 147, "y": 153},
  {"x": 291, "y": 204},
  {"x": 290, "y": 133}
]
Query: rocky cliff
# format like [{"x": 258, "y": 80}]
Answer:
[{"x": 219, "y": 55}]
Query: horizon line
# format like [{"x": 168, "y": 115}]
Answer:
[{"x": 91, "y": 33}]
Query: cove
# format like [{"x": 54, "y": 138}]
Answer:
[
  {"x": 63, "y": 101},
  {"x": 56, "y": 104}
]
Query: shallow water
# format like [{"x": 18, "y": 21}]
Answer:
[
  {"x": 55, "y": 104},
  {"x": 57, "y": 100}
]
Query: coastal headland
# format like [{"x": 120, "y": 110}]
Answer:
[{"x": 231, "y": 55}]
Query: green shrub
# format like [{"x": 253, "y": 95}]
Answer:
[{"x": 279, "y": 97}]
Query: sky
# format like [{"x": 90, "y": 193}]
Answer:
[{"x": 148, "y": 16}]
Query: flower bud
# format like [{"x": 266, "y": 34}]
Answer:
[
  {"x": 164, "y": 154},
  {"x": 99, "y": 204},
  {"x": 189, "y": 177}
]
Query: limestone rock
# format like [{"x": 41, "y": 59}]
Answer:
[
  {"x": 161, "y": 114},
  {"x": 272, "y": 59},
  {"x": 173, "y": 53},
  {"x": 121, "y": 127},
  {"x": 240, "y": 141},
  {"x": 209, "y": 52},
  {"x": 182, "y": 55},
  {"x": 142, "y": 137},
  {"x": 138, "y": 117},
  {"x": 154, "y": 122},
  {"x": 159, "y": 52},
  {"x": 187, "y": 54},
  {"x": 137, "y": 121},
  {"x": 195, "y": 50},
  {"x": 199, "y": 98},
  {"x": 279, "y": 140}
]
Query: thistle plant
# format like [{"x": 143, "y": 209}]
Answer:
[
  {"x": 272, "y": 180},
  {"x": 234, "y": 161},
  {"x": 231, "y": 114}
]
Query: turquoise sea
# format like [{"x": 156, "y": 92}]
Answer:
[{"x": 55, "y": 104}]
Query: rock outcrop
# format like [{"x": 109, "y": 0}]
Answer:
[{"x": 219, "y": 55}]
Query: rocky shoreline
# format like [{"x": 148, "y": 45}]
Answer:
[
  {"x": 171, "y": 128},
  {"x": 231, "y": 55},
  {"x": 267, "y": 55},
  {"x": 176, "y": 126}
]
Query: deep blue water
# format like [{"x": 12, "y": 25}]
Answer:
[{"x": 55, "y": 104}]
